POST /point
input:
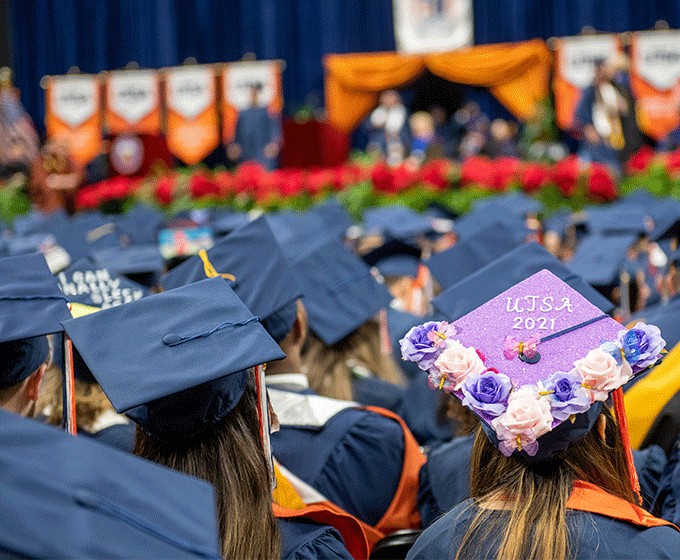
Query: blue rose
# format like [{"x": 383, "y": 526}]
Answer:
[
  {"x": 567, "y": 397},
  {"x": 642, "y": 345},
  {"x": 417, "y": 347},
  {"x": 487, "y": 392}
]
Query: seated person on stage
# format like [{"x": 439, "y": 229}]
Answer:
[
  {"x": 32, "y": 307},
  {"x": 189, "y": 376},
  {"x": 388, "y": 128},
  {"x": 357, "y": 444}
]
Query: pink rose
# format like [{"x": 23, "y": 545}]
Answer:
[
  {"x": 457, "y": 362},
  {"x": 527, "y": 412},
  {"x": 601, "y": 374}
]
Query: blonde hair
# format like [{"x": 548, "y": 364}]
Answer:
[
  {"x": 536, "y": 494},
  {"x": 329, "y": 368}
]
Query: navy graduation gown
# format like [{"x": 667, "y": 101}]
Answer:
[{"x": 306, "y": 540}]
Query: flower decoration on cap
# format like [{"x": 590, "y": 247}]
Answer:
[{"x": 522, "y": 413}]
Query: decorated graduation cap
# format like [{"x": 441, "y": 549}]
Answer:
[
  {"x": 534, "y": 363},
  {"x": 141, "y": 263},
  {"x": 255, "y": 268},
  {"x": 395, "y": 258},
  {"x": 598, "y": 259},
  {"x": 340, "y": 293},
  {"x": 70, "y": 497},
  {"x": 32, "y": 306},
  {"x": 476, "y": 220},
  {"x": 396, "y": 221},
  {"x": 86, "y": 283},
  {"x": 507, "y": 270},
  {"x": 175, "y": 362},
  {"x": 470, "y": 254}
]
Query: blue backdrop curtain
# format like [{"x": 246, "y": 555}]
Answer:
[{"x": 52, "y": 35}]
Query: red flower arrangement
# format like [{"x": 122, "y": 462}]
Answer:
[{"x": 600, "y": 183}]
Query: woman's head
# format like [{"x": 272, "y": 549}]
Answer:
[{"x": 230, "y": 456}]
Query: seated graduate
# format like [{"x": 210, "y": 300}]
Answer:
[
  {"x": 332, "y": 445},
  {"x": 186, "y": 378},
  {"x": 69, "y": 497},
  {"x": 32, "y": 307},
  {"x": 552, "y": 474}
]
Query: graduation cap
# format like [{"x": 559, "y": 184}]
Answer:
[
  {"x": 176, "y": 362},
  {"x": 515, "y": 202},
  {"x": 470, "y": 254},
  {"x": 227, "y": 221},
  {"x": 256, "y": 269},
  {"x": 499, "y": 275},
  {"x": 70, "y": 497},
  {"x": 476, "y": 220},
  {"x": 38, "y": 222},
  {"x": 141, "y": 224},
  {"x": 86, "y": 283},
  {"x": 598, "y": 258},
  {"x": 558, "y": 222},
  {"x": 32, "y": 307},
  {"x": 340, "y": 293},
  {"x": 85, "y": 233},
  {"x": 666, "y": 217},
  {"x": 617, "y": 220},
  {"x": 395, "y": 258},
  {"x": 540, "y": 346},
  {"x": 396, "y": 221},
  {"x": 141, "y": 263}
]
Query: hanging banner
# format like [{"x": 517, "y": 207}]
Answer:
[
  {"x": 238, "y": 81},
  {"x": 425, "y": 26},
  {"x": 73, "y": 113},
  {"x": 576, "y": 58},
  {"x": 192, "y": 128},
  {"x": 655, "y": 81},
  {"x": 133, "y": 102}
]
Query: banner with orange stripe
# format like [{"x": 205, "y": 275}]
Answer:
[
  {"x": 133, "y": 102},
  {"x": 654, "y": 79},
  {"x": 238, "y": 78},
  {"x": 575, "y": 70},
  {"x": 73, "y": 112},
  {"x": 192, "y": 129}
]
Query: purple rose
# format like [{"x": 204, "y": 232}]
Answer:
[
  {"x": 487, "y": 392},
  {"x": 567, "y": 396},
  {"x": 417, "y": 347},
  {"x": 642, "y": 345}
]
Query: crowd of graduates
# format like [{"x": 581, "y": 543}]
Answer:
[{"x": 278, "y": 366}]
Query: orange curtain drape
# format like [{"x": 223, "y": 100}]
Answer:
[{"x": 516, "y": 74}]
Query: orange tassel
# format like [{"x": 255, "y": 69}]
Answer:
[{"x": 622, "y": 421}]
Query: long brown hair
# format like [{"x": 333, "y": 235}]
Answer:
[
  {"x": 329, "y": 368},
  {"x": 231, "y": 457},
  {"x": 536, "y": 494}
]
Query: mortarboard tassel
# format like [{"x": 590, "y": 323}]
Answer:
[
  {"x": 622, "y": 421},
  {"x": 69, "y": 393},
  {"x": 263, "y": 418}
]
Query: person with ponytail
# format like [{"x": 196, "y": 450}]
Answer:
[{"x": 552, "y": 472}]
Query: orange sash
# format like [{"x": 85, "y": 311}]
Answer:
[
  {"x": 329, "y": 514},
  {"x": 588, "y": 497},
  {"x": 403, "y": 511}
]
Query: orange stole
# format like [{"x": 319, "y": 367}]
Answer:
[{"x": 588, "y": 497}]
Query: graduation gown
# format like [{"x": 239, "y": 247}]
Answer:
[
  {"x": 302, "y": 539},
  {"x": 341, "y": 450},
  {"x": 600, "y": 526}
]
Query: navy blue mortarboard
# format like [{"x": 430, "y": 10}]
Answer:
[
  {"x": 470, "y": 254},
  {"x": 38, "y": 222},
  {"x": 598, "y": 258},
  {"x": 515, "y": 202},
  {"x": 142, "y": 263},
  {"x": 558, "y": 222},
  {"x": 674, "y": 257},
  {"x": 666, "y": 216},
  {"x": 32, "y": 307},
  {"x": 340, "y": 293},
  {"x": 506, "y": 271},
  {"x": 141, "y": 224},
  {"x": 394, "y": 258},
  {"x": 70, "y": 497},
  {"x": 476, "y": 220},
  {"x": 617, "y": 220},
  {"x": 85, "y": 233},
  {"x": 85, "y": 282},
  {"x": 396, "y": 221},
  {"x": 256, "y": 269},
  {"x": 227, "y": 221},
  {"x": 176, "y": 362}
]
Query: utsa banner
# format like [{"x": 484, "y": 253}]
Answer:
[
  {"x": 654, "y": 79},
  {"x": 73, "y": 113},
  {"x": 192, "y": 127},
  {"x": 422, "y": 26},
  {"x": 133, "y": 102},
  {"x": 576, "y": 57},
  {"x": 239, "y": 80}
]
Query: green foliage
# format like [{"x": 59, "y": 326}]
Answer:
[{"x": 14, "y": 199}]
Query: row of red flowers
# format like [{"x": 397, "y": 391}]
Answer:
[{"x": 251, "y": 181}]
